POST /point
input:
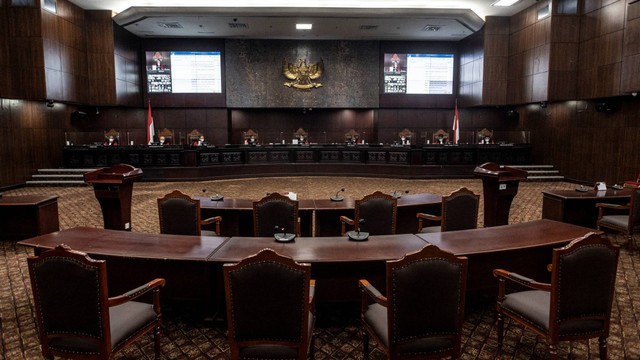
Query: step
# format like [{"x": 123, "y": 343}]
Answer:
[
  {"x": 58, "y": 176},
  {"x": 539, "y": 172},
  {"x": 524, "y": 167},
  {"x": 55, "y": 182},
  {"x": 546, "y": 178},
  {"x": 62, "y": 170}
]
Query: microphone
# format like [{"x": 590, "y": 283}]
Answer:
[
  {"x": 398, "y": 194},
  {"x": 282, "y": 236},
  {"x": 357, "y": 235},
  {"x": 337, "y": 196},
  {"x": 215, "y": 197}
]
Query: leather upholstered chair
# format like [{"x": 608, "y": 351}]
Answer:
[
  {"x": 180, "y": 215},
  {"x": 76, "y": 317},
  {"x": 378, "y": 212},
  {"x": 422, "y": 314},
  {"x": 622, "y": 218},
  {"x": 270, "y": 307},
  {"x": 459, "y": 212},
  {"x": 275, "y": 210},
  {"x": 577, "y": 302}
]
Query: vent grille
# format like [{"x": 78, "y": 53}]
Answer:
[
  {"x": 237, "y": 25},
  {"x": 368, "y": 27},
  {"x": 170, "y": 25}
]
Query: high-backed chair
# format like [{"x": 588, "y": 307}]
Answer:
[
  {"x": 351, "y": 137},
  {"x": 111, "y": 134},
  {"x": 459, "y": 212},
  {"x": 180, "y": 215},
  {"x": 621, "y": 218},
  {"x": 485, "y": 136},
  {"x": 250, "y": 137},
  {"x": 378, "y": 212},
  {"x": 440, "y": 137},
  {"x": 270, "y": 307},
  {"x": 193, "y": 136},
  {"x": 407, "y": 135},
  {"x": 275, "y": 210},
  {"x": 168, "y": 135},
  {"x": 76, "y": 317},
  {"x": 577, "y": 302},
  {"x": 422, "y": 314},
  {"x": 300, "y": 135}
]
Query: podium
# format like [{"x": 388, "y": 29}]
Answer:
[
  {"x": 500, "y": 186},
  {"x": 113, "y": 188}
]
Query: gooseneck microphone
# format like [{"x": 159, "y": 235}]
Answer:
[
  {"x": 398, "y": 194},
  {"x": 215, "y": 197},
  {"x": 337, "y": 196},
  {"x": 281, "y": 235},
  {"x": 357, "y": 235}
]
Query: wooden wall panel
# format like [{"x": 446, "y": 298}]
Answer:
[
  {"x": 101, "y": 58},
  {"x": 631, "y": 50}
]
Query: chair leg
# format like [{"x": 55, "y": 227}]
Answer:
[
  {"x": 553, "y": 351},
  {"x": 631, "y": 244},
  {"x": 602, "y": 343},
  {"x": 156, "y": 341},
  {"x": 365, "y": 344},
  {"x": 500, "y": 326}
]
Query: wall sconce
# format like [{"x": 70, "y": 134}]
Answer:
[{"x": 50, "y": 103}]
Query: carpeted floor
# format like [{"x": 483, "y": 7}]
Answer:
[{"x": 186, "y": 339}]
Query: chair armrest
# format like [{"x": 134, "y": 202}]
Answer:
[
  {"x": 612, "y": 206},
  {"x": 522, "y": 280},
  {"x": 345, "y": 221},
  {"x": 155, "y": 284},
  {"x": 372, "y": 292},
  {"x": 429, "y": 217},
  {"x": 312, "y": 293},
  {"x": 214, "y": 219}
]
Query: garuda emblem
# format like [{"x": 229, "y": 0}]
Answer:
[{"x": 302, "y": 75}]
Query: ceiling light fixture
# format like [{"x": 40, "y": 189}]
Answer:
[
  {"x": 304, "y": 26},
  {"x": 505, "y": 2}
]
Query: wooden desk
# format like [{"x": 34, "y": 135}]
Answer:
[
  {"x": 26, "y": 216},
  {"x": 579, "y": 208},
  {"x": 524, "y": 248},
  {"x": 135, "y": 258}
]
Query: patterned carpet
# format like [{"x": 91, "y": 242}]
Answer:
[{"x": 184, "y": 338}]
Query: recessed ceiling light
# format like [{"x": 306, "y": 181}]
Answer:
[
  {"x": 504, "y": 2},
  {"x": 304, "y": 26}
]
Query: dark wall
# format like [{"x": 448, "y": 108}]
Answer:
[{"x": 254, "y": 69}]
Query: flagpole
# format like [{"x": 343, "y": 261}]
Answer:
[{"x": 456, "y": 125}]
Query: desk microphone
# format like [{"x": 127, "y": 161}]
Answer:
[
  {"x": 398, "y": 194},
  {"x": 215, "y": 197},
  {"x": 337, "y": 196},
  {"x": 282, "y": 236},
  {"x": 357, "y": 235}
]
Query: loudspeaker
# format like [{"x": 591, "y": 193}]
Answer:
[{"x": 606, "y": 107}]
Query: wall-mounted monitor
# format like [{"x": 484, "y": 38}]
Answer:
[
  {"x": 173, "y": 72},
  {"x": 418, "y": 73}
]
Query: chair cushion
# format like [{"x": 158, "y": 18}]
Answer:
[
  {"x": 126, "y": 319},
  {"x": 621, "y": 221},
  {"x": 376, "y": 317},
  {"x": 431, "y": 229},
  {"x": 208, "y": 233},
  {"x": 532, "y": 305}
]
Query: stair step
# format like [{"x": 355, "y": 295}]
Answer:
[
  {"x": 55, "y": 182},
  {"x": 546, "y": 178},
  {"x": 65, "y": 170},
  {"x": 524, "y": 167},
  {"x": 58, "y": 176},
  {"x": 538, "y": 172}
]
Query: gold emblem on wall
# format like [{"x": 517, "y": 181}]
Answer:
[{"x": 302, "y": 75}]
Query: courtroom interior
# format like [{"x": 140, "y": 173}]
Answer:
[{"x": 492, "y": 146}]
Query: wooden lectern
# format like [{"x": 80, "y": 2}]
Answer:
[
  {"x": 500, "y": 186},
  {"x": 113, "y": 188}
]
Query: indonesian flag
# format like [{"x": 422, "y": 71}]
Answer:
[
  {"x": 456, "y": 128},
  {"x": 151, "y": 131}
]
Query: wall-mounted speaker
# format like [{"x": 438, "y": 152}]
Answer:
[{"x": 606, "y": 107}]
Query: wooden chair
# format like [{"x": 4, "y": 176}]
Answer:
[
  {"x": 378, "y": 212},
  {"x": 351, "y": 137},
  {"x": 485, "y": 136},
  {"x": 270, "y": 307},
  {"x": 169, "y": 136},
  {"x": 275, "y": 211},
  {"x": 440, "y": 137},
  {"x": 577, "y": 302},
  {"x": 109, "y": 134},
  {"x": 193, "y": 136},
  {"x": 459, "y": 212},
  {"x": 180, "y": 215},
  {"x": 76, "y": 317},
  {"x": 621, "y": 218},
  {"x": 250, "y": 137},
  {"x": 422, "y": 314},
  {"x": 407, "y": 135},
  {"x": 300, "y": 134}
]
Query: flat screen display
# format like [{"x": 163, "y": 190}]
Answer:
[
  {"x": 418, "y": 74},
  {"x": 174, "y": 72}
]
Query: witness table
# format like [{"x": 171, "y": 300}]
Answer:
[
  {"x": 579, "y": 208},
  {"x": 26, "y": 216}
]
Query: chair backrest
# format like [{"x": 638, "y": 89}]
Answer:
[
  {"x": 426, "y": 294},
  {"x": 406, "y": 133},
  {"x": 351, "y": 135},
  {"x": 168, "y": 135},
  {"x": 71, "y": 301},
  {"x": 267, "y": 299},
  {"x": 250, "y": 133},
  {"x": 112, "y": 132},
  {"x": 194, "y": 135},
  {"x": 379, "y": 212},
  {"x": 440, "y": 134},
  {"x": 179, "y": 214},
  {"x": 274, "y": 210},
  {"x": 485, "y": 134},
  {"x": 582, "y": 285},
  {"x": 460, "y": 210}
]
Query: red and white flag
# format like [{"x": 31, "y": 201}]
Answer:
[
  {"x": 456, "y": 127},
  {"x": 151, "y": 131}
]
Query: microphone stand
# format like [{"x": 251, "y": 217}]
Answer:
[{"x": 337, "y": 196}]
